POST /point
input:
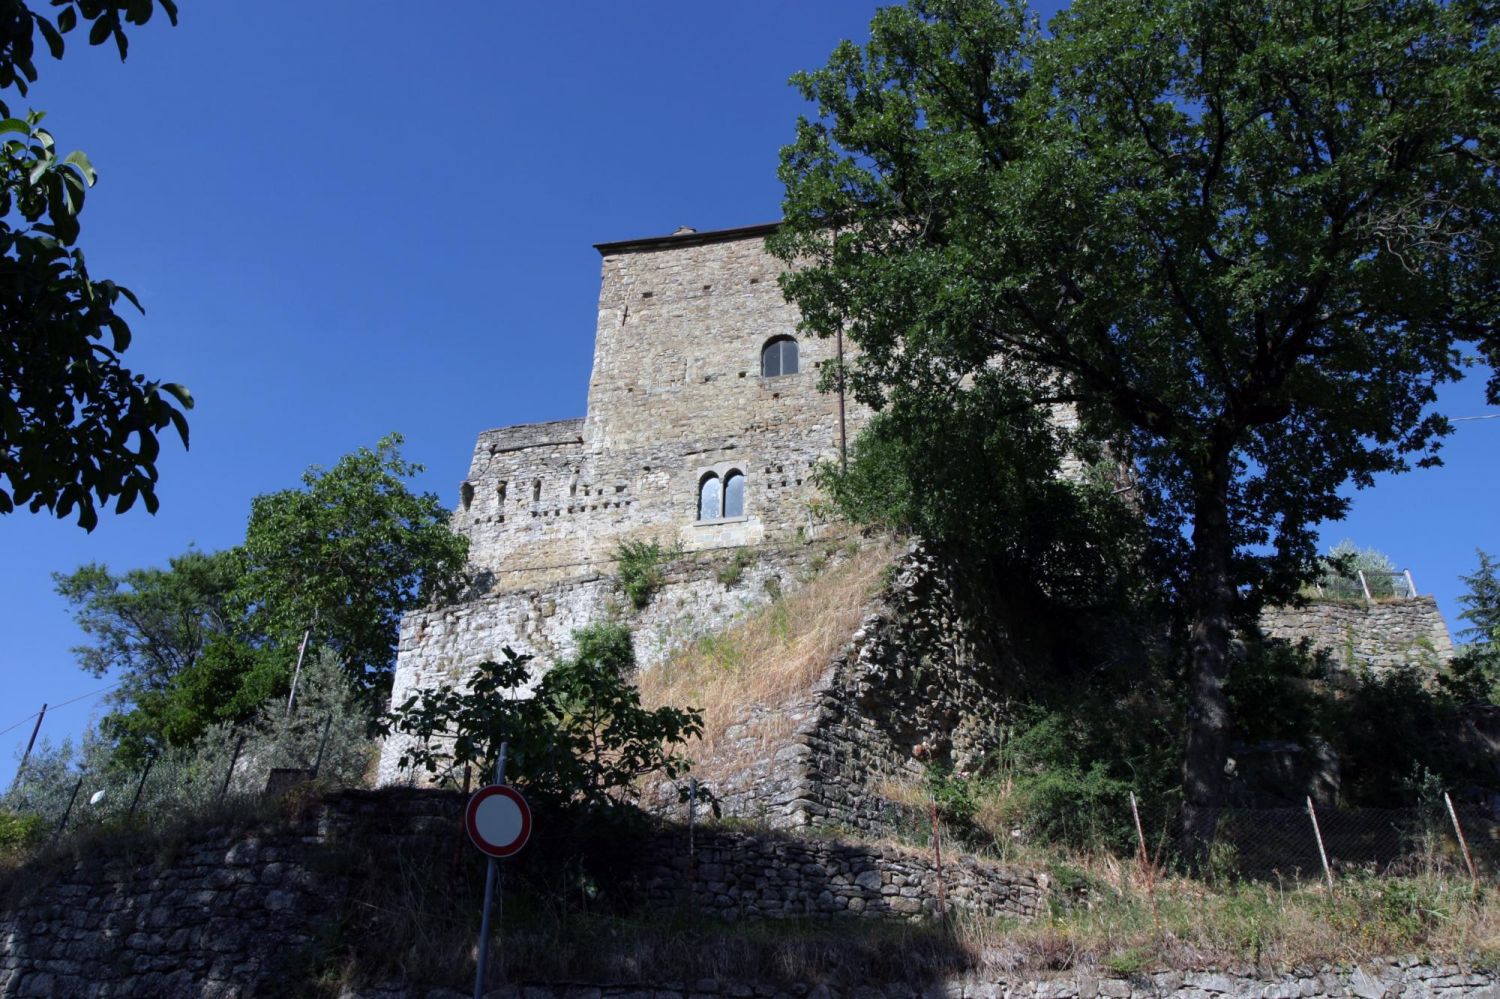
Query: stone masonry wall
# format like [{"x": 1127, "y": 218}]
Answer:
[
  {"x": 734, "y": 875},
  {"x": 246, "y": 914},
  {"x": 441, "y": 645},
  {"x": 1378, "y": 636},
  {"x": 922, "y": 679},
  {"x": 1383, "y": 980},
  {"x": 676, "y": 392}
]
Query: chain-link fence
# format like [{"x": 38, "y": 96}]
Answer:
[
  {"x": 72, "y": 786},
  {"x": 1323, "y": 841}
]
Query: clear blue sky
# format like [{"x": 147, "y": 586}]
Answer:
[{"x": 350, "y": 218}]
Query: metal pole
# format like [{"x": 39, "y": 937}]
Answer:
[
  {"x": 296, "y": 673},
  {"x": 233, "y": 759},
  {"x": 1468, "y": 857},
  {"x": 29, "y": 743},
  {"x": 843, "y": 443},
  {"x": 491, "y": 874},
  {"x": 692, "y": 845},
  {"x": 69, "y": 810},
  {"x": 1364, "y": 586},
  {"x": 1411, "y": 586},
  {"x": 150, "y": 760},
  {"x": 1322, "y": 853},
  {"x": 322, "y": 745}
]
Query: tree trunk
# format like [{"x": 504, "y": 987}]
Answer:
[{"x": 1212, "y": 596}]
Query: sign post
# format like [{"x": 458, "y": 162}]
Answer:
[{"x": 498, "y": 821}]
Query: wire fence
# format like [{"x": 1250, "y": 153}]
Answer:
[
  {"x": 63, "y": 791},
  {"x": 1366, "y": 585}
]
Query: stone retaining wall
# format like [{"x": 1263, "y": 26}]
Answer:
[
  {"x": 735, "y": 875},
  {"x": 1378, "y": 981},
  {"x": 1378, "y": 636}
]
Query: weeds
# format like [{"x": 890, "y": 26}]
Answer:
[
  {"x": 771, "y": 655},
  {"x": 642, "y": 569}
]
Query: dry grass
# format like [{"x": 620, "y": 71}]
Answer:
[
  {"x": 774, "y": 654},
  {"x": 1253, "y": 924}
]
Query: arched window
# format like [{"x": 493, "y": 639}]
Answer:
[
  {"x": 708, "y": 497},
  {"x": 778, "y": 357},
  {"x": 734, "y": 493}
]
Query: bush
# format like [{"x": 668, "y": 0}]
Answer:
[
  {"x": 641, "y": 569},
  {"x": 581, "y": 738}
]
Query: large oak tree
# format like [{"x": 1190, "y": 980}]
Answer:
[{"x": 1244, "y": 239}]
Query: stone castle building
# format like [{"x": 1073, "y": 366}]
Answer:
[{"x": 703, "y": 428}]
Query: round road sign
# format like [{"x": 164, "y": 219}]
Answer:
[{"x": 498, "y": 820}]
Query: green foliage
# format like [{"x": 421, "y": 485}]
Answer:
[
  {"x": 580, "y": 738},
  {"x": 347, "y": 556},
  {"x": 210, "y": 638},
  {"x": 1208, "y": 232},
  {"x": 1481, "y": 604},
  {"x": 732, "y": 571},
  {"x": 19, "y": 832},
  {"x": 1339, "y": 572},
  {"x": 77, "y": 428},
  {"x": 641, "y": 569}
]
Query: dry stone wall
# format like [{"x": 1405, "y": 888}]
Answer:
[
  {"x": 922, "y": 680},
  {"x": 732, "y": 875},
  {"x": 1386, "y": 980},
  {"x": 1378, "y": 636},
  {"x": 251, "y": 914}
]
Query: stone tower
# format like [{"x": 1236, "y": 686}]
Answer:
[{"x": 704, "y": 426}]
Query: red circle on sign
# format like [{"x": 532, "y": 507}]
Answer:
[{"x": 498, "y": 820}]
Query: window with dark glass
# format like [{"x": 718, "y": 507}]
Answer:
[
  {"x": 778, "y": 357},
  {"x": 709, "y": 497},
  {"x": 734, "y": 494}
]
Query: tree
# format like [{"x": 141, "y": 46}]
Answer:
[
  {"x": 77, "y": 428},
  {"x": 1243, "y": 241},
  {"x": 1482, "y": 603},
  {"x": 212, "y": 636},
  {"x": 347, "y": 556},
  {"x": 151, "y": 626},
  {"x": 580, "y": 736}
]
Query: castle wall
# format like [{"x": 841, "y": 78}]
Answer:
[
  {"x": 1378, "y": 636},
  {"x": 676, "y": 391}
]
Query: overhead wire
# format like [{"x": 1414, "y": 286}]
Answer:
[{"x": 61, "y": 704}]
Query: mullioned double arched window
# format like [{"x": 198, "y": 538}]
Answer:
[{"x": 721, "y": 498}]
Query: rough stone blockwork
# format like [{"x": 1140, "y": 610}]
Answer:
[
  {"x": 1379, "y": 636},
  {"x": 735, "y": 875},
  {"x": 1382, "y": 981},
  {"x": 918, "y": 681},
  {"x": 221, "y": 916}
]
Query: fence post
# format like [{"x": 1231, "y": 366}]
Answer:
[
  {"x": 322, "y": 745},
  {"x": 937, "y": 855},
  {"x": 1411, "y": 587},
  {"x": 1364, "y": 586},
  {"x": 1318, "y": 833},
  {"x": 1462, "y": 842},
  {"x": 233, "y": 759},
  {"x": 692, "y": 842},
  {"x": 150, "y": 761},
  {"x": 69, "y": 810},
  {"x": 1146, "y": 864}
]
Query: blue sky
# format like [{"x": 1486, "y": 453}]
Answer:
[{"x": 351, "y": 218}]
